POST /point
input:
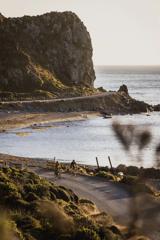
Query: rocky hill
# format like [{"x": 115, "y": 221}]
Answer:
[{"x": 51, "y": 52}]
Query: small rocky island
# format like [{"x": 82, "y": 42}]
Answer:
[{"x": 50, "y": 57}]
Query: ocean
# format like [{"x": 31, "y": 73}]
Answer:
[
  {"x": 143, "y": 83},
  {"x": 90, "y": 138}
]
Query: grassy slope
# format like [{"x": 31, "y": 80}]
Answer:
[{"x": 34, "y": 208}]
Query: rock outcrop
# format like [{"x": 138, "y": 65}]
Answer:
[
  {"x": 123, "y": 88},
  {"x": 51, "y": 52}
]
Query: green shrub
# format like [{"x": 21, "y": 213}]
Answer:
[
  {"x": 85, "y": 222},
  {"x": 21, "y": 204},
  {"x": 131, "y": 180},
  {"x": 39, "y": 189},
  {"x": 133, "y": 171},
  {"x": 31, "y": 197},
  {"x": 86, "y": 201},
  {"x": 9, "y": 194},
  {"x": 107, "y": 234},
  {"x": 86, "y": 234},
  {"x": 7, "y": 171},
  {"x": 3, "y": 177},
  {"x": 8, "y": 188},
  {"x": 60, "y": 193},
  {"x": 106, "y": 175},
  {"x": 72, "y": 209},
  {"x": 27, "y": 222}
]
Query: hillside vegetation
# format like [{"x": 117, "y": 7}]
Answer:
[{"x": 33, "y": 208}]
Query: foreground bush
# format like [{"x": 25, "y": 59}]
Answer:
[
  {"x": 106, "y": 175},
  {"x": 39, "y": 210}
]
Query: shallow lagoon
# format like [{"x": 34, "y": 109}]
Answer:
[{"x": 79, "y": 140}]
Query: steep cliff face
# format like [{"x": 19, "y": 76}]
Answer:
[
  {"x": 1, "y": 18},
  {"x": 51, "y": 52}
]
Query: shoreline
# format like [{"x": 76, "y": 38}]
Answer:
[
  {"x": 41, "y": 121},
  {"x": 13, "y": 120},
  {"x": 20, "y": 119}
]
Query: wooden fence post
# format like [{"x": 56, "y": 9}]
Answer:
[
  {"x": 110, "y": 164},
  {"x": 97, "y": 163}
]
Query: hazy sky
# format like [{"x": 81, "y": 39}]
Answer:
[{"x": 122, "y": 31}]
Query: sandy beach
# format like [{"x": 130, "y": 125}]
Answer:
[{"x": 11, "y": 120}]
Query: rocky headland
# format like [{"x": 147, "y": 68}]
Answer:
[
  {"x": 50, "y": 53},
  {"x": 46, "y": 65}
]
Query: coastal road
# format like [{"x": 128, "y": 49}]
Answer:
[
  {"x": 108, "y": 196},
  {"x": 60, "y": 99},
  {"x": 72, "y": 104},
  {"x": 113, "y": 199}
]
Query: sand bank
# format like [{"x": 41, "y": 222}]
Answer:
[{"x": 10, "y": 120}]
